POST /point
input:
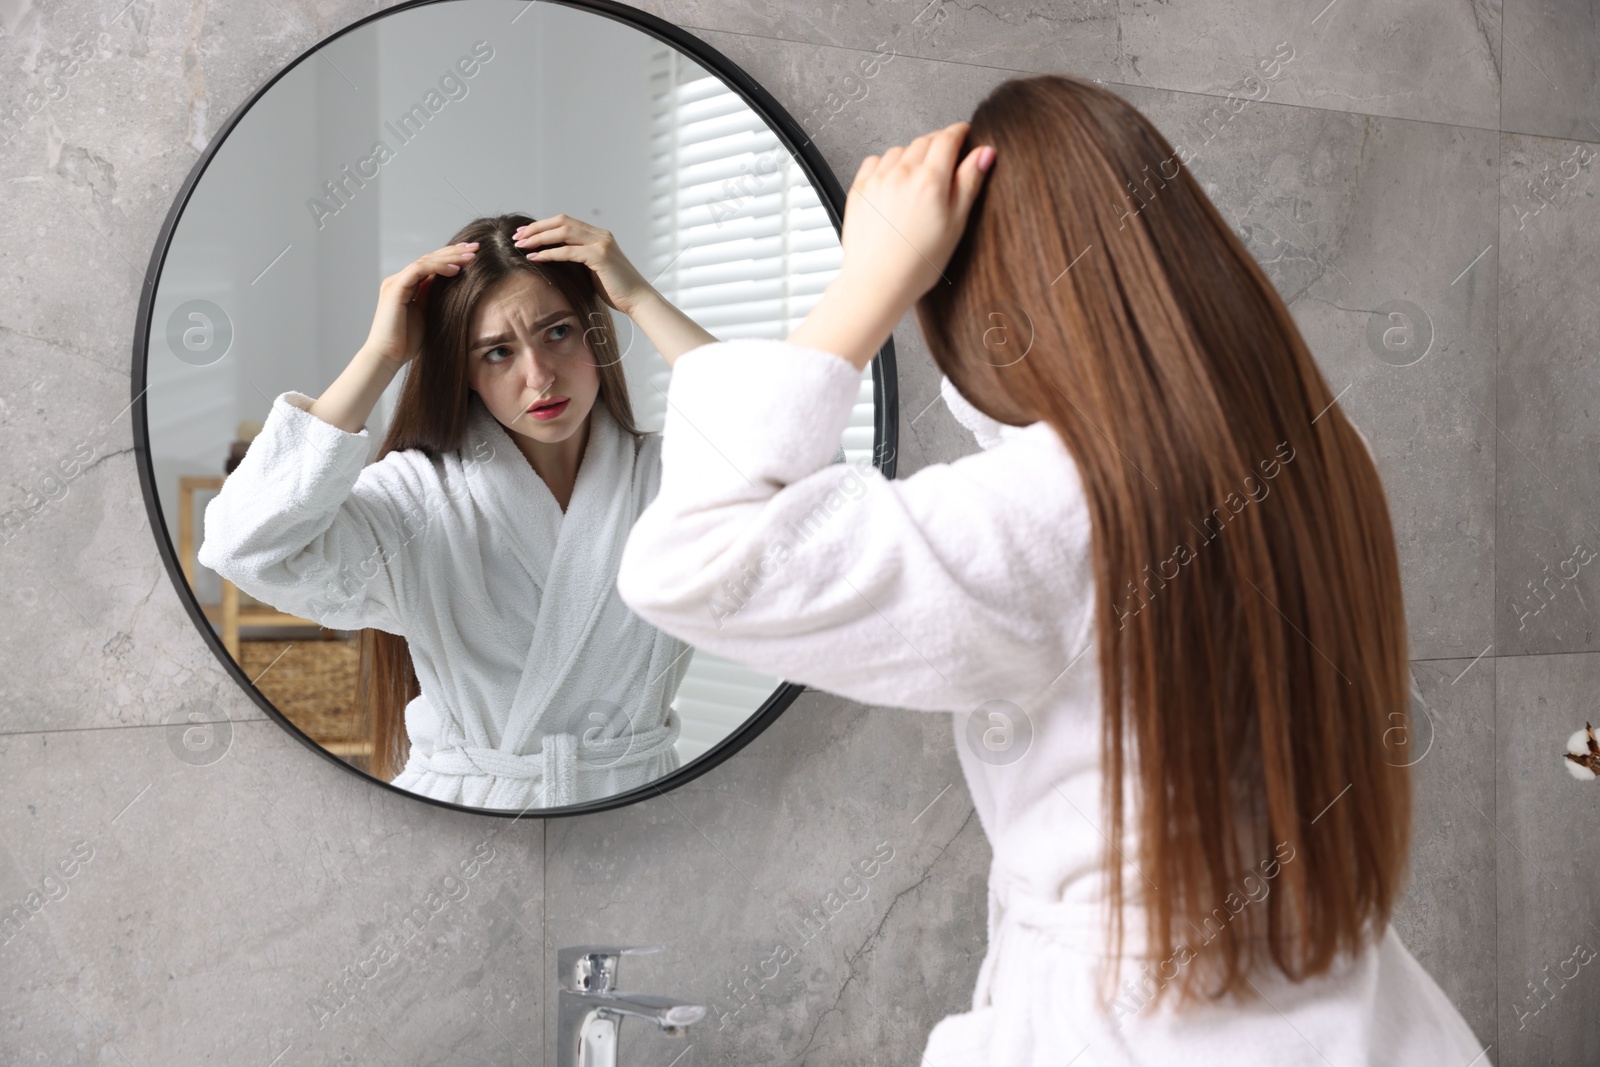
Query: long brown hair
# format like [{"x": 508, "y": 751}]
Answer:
[
  {"x": 431, "y": 415},
  {"x": 1253, "y": 676}
]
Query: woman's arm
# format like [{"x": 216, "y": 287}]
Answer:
[
  {"x": 304, "y": 523},
  {"x": 966, "y": 582},
  {"x": 670, "y": 330},
  {"x": 349, "y": 401},
  {"x": 848, "y": 322}
]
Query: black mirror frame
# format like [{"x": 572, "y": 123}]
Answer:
[{"x": 884, "y": 381}]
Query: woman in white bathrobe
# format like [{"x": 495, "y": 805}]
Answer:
[
  {"x": 478, "y": 552},
  {"x": 1169, "y": 518}
]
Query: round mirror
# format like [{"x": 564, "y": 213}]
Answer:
[{"x": 405, "y": 567}]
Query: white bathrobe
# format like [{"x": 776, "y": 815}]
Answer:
[
  {"x": 966, "y": 583},
  {"x": 540, "y": 688}
]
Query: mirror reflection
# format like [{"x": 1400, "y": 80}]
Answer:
[{"x": 399, "y": 459}]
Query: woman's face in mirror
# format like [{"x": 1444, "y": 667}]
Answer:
[{"x": 527, "y": 351}]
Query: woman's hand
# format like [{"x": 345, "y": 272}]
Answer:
[
  {"x": 906, "y": 211},
  {"x": 621, "y": 285},
  {"x": 903, "y": 218},
  {"x": 397, "y": 325},
  {"x": 394, "y": 340}
]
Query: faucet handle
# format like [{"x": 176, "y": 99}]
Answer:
[{"x": 593, "y": 968}]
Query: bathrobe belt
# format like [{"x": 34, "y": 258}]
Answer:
[
  {"x": 1078, "y": 926},
  {"x": 556, "y": 765}
]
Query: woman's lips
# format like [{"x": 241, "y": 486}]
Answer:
[{"x": 549, "y": 409}]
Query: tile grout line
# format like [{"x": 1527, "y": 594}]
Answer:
[
  {"x": 1494, "y": 556},
  {"x": 1497, "y": 129}
]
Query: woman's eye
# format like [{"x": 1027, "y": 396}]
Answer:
[
  {"x": 562, "y": 326},
  {"x": 489, "y": 355}
]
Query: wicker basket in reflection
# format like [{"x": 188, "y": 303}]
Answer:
[{"x": 313, "y": 682}]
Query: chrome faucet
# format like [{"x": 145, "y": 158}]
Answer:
[{"x": 590, "y": 1009}]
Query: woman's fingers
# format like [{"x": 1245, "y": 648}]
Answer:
[
  {"x": 936, "y": 148},
  {"x": 864, "y": 173},
  {"x": 527, "y": 228},
  {"x": 540, "y": 225},
  {"x": 579, "y": 253},
  {"x": 572, "y": 233},
  {"x": 456, "y": 256},
  {"x": 917, "y": 150},
  {"x": 448, "y": 261},
  {"x": 553, "y": 229},
  {"x": 969, "y": 177},
  {"x": 548, "y": 236},
  {"x": 940, "y": 151}
]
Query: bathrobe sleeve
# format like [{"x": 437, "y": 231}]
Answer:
[
  {"x": 305, "y": 524},
  {"x": 966, "y": 582}
]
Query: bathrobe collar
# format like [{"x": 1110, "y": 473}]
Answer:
[{"x": 573, "y": 557}]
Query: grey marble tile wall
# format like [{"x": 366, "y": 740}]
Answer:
[{"x": 225, "y": 910}]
